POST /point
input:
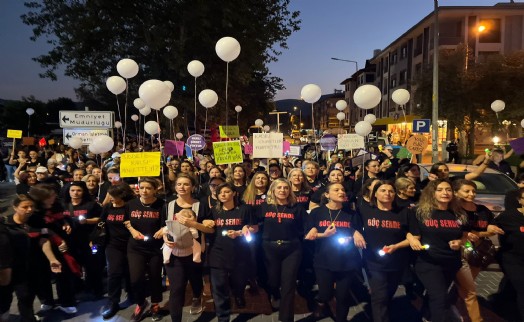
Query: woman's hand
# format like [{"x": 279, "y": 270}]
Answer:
[
  {"x": 159, "y": 233},
  {"x": 359, "y": 240},
  {"x": 330, "y": 231},
  {"x": 185, "y": 221},
  {"x": 390, "y": 249},
  {"x": 208, "y": 223},
  {"x": 455, "y": 244},
  {"x": 472, "y": 237},
  {"x": 137, "y": 235},
  {"x": 494, "y": 229},
  {"x": 312, "y": 234},
  {"x": 56, "y": 266},
  {"x": 62, "y": 247},
  {"x": 415, "y": 244},
  {"x": 234, "y": 233},
  {"x": 67, "y": 228}
]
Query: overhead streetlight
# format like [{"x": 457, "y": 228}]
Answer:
[{"x": 347, "y": 60}]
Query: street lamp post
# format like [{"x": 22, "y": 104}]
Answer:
[
  {"x": 434, "y": 114},
  {"x": 299, "y": 112},
  {"x": 278, "y": 118},
  {"x": 349, "y": 61}
]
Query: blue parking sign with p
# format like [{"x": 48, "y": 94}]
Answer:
[{"x": 421, "y": 125}]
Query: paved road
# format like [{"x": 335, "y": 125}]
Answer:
[{"x": 258, "y": 307}]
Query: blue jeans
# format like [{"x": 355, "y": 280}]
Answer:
[{"x": 10, "y": 173}]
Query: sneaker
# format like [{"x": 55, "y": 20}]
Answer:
[
  {"x": 45, "y": 308},
  {"x": 196, "y": 306},
  {"x": 110, "y": 310},
  {"x": 139, "y": 312},
  {"x": 68, "y": 309},
  {"x": 155, "y": 312}
]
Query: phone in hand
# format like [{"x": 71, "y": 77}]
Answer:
[{"x": 170, "y": 238}]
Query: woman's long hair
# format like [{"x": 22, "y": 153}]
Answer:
[
  {"x": 291, "y": 199},
  {"x": 305, "y": 187},
  {"x": 230, "y": 176},
  {"x": 428, "y": 203},
  {"x": 250, "y": 194},
  {"x": 229, "y": 186},
  {"x": 373, "y": 196},
  {"x": 86, "y": 197}
]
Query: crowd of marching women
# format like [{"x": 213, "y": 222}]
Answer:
[{"x": 285, "y": 225}]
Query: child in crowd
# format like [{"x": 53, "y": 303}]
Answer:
[{"x": 183, "y": 236}]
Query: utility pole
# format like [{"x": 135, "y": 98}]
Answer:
[
  {"x": 278, "y": 118},
  {"x": 434, "y": 114}
]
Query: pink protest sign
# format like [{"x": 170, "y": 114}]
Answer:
[
  {"x": 173, "y": 147},
  {"x": 286, "y": 146},
  {"x": 248, "y": 149}
]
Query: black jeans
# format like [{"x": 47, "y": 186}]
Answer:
[
  {"x": 179, "y": 271},
  {"x": 221, "y": 279},
  {"x": 117, "y": 268},
  {"x": 512, "y": 267},
  {"x": 282, "y": 262},
  {"x": 383, "y": 286},
  {"x": 139, "y": 262},
  {"x": 25, "y": 297},
  {"x": 93, "y": 265},
  {"x": 326, "y": 279},
  {"x": 437, "y": 279},
  {"x": 40, "y": 276}
]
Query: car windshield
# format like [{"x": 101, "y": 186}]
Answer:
[{"x": 490, "y": 183}]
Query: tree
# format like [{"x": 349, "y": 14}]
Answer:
[
  {"x": 90, "y": 37},
  {"x": 467, "y": 89},
  {"x": 14, "y": 116}
]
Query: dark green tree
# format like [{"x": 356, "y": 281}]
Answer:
[
  {"x": 90, "y": 37},
  {"x": 467, "y": 89}
]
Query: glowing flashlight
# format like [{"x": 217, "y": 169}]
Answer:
[
  {"x": 468, "y": 246},
  {"x": 224, "y": 233},
  {"x": 383, "y": 251},
  {"x": 426, "y": 246},
  {"x": 486, "y": 150},
  {"x": 146, "y": 238},
  {"x": 248, "y": 237},
  {"x": 81, "y": 217}
]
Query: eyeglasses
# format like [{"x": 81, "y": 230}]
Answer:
[
  {"x": 213, "y": 185},
  {"x": 274, "y": 171}
]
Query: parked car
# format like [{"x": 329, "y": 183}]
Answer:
[{"x": 492, "y": 185}]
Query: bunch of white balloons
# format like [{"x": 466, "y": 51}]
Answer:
[{"x": 101, "y": 144}]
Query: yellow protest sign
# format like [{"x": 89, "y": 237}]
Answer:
[
  {"x": 14, "y": 134},
  {"x": 417, "y": 144},
  {"x": 230, "y": 131},
  {"x": 51, "y": 142},
  {"x": 227, "y": 152},
  {"x": 140, "y": 164}
]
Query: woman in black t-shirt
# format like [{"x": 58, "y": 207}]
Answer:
[
  {"x": 283, "y": 222},
  {"x": 238, "y": 178},
  {"x": 256, "y": 191},
  {"x": 300, "y": 187},
  {"x": 405, "y": 197},
  {"x": 337, "y": 259},
  {"x": 386, "y": 253},
  {"x": 437, "y": 231},
  {"x": 512, "y": 248},
  {"x": 113, "y": 216},
  {"x": 229, "y": 250},
  {"x": 334, "y": 176},
  {"x": 146, "y": 220}
]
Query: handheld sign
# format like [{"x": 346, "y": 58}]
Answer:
[
  {"x": 417, "y": 144},
  {"x": 350, "y": 141},
  {"x": 172, "y": 147},
  {"x": 141, "y": 164},
  {"x": 227, "y": 152},
  {"x": 267, "y": 145},
  {"x": 229, "y": 132},
  {"x": 14, "y": 134}
]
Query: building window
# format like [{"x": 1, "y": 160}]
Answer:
[
  {"x": 403, "y": 75},
  {"x": 484, "y": 56},
  {"x": 404, "y": 52},
  {"x": 370, "y": 78},
  {"x": 418, "y": 46},
  {"x": 394, "y": 58},
  {"x": 394, "y": 81},
  {"x": 385, "y": 65},
  {"x": 491, "y": 32}
]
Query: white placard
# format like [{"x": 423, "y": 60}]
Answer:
[
  {"x": 76, "y": 119},
  {"x": 267, "y": 145},
  {"x": 350, "y": 141},
  {"x": 294, "y": 150}
]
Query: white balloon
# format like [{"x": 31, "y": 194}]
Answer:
[
  {"x": 93, "y": 148},
  {"x": 30, "y": 111},
  {"x": 341, "y": 116},
  {"x": 170, "y": 112},
  {"x": 103, "y": 143},
  {"x": 208, "y": 98},
  {"x": 498, "y": 106},
  {"x": 75, "y": 142},
  {"x": 227, "y": 48},
  {"x": 169, "y": 85},
  {"x": 151, "y": 127},
  {"x": 363, "y": 128},
  {"x": 118, "y": 124},
  {"x": 259, "y": 122},
  {"x": 127, "y": 68},
  {"x": 145, "y": 111},
  {"x": 266, "y": 128},
  {"x": 154, "y": 93},
  {"x": 522, "y": 123},
  {"x": 367, "y": 96},
  {"x": 134, "y": 117},
  {"x": 139, "y": 103},
  {"x": 179, "y": 135},
  {"x": 195, "y": 68},
  {"x": 116, "y": 84},
  {"x": 311, "y": 93},
  {"x": 370, "y": 118},
  {"x": 238, "y": 108},
  {"x": 400, "y": 96},
  {"x": 341, "y": 105}
]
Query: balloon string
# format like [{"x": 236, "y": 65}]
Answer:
[
  {"x": 144, "y": 134},
  {"x": 159, "y": 130},
  {"x": 314, "y": 133},
  {"x": 195, "y": 107},
  {"x": 120, "y": 119},
  {"x": 227, "y": 83},
  {"x": 125, "y": 117},
  {"x": 205, "y": 124}
]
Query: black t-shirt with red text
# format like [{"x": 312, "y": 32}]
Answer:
[
  {"x": 117, "y": 233},
  {"x": 330, "y": 253},
  {"x": 81, "y": 232},
  {"x": 225, "y": 252},
  {"x": 281, "y": 222},
  {"x": 383, "y": 228},
  {"x": 437, "y": 232},
  {"x": 480, "y": 219},
  {"x": 147, "y": 219},
  {"x": 303, "y": 198},
  {"x": 512, "y": 242}
]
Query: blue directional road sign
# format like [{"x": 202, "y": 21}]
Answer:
[{"x": 421, "y": 125}]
